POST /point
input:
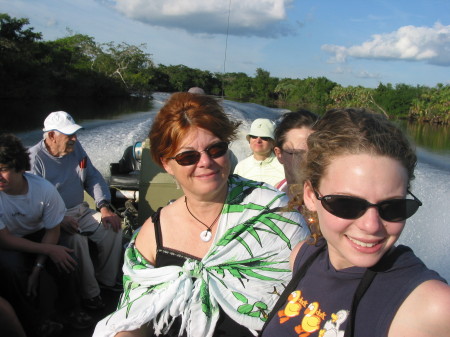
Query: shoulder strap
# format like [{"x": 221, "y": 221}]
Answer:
[
  {"x": 292, "y": 285},
  {"x": 384, "y": 264},
  {"x": 157, "y": 225}
]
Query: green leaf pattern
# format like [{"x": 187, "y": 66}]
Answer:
[{"x": 243, "y": 272}]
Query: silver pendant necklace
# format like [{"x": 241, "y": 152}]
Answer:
[{"x": 206, "y": 234}]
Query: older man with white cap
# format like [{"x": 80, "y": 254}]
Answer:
[
  {"x": 262, "y": 165},
  {"x": 61, "y": 159}
]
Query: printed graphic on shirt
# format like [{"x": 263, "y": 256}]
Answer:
[{"x": 310, "y": 316}]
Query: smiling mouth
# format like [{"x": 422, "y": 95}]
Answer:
[{"x": 364, "y": 244}]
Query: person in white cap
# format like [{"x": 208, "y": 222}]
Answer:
[
  {"x": 262, "y": 165},
  {"x": 196, "y": 90},
  {"x": 61, "y": 159}
]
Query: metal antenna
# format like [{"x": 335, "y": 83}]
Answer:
[{"x": 226, "y": 47}]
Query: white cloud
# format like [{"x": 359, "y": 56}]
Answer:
[
  {"x": 264, "y": 18},
  {"x": 410, "y": 43}
]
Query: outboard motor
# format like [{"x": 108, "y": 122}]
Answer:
[{"x": 124, "y": 187}]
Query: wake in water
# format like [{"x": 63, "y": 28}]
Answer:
[{"x": 427, "y": 232}]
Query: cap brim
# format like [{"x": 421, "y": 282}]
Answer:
[{"x": 68, "y": 130}]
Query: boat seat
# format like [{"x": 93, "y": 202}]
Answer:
[{"x": 125, "y": 173}]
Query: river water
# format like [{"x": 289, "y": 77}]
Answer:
[{"x": 427, "y": 232}]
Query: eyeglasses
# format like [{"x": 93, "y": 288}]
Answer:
[
  {"x": 295, "y": 152},
  {"x": 193, "y": 157},
  {"x": 348, "y": 207},
  {"x": 266, "y": 139},
  {"x": 4, "y": 169},
  {"x": 88, "y": 233}
]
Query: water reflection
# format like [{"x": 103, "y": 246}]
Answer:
[
  {"x": 19, "y": 116},
  {"x": 430, "y": 136}
]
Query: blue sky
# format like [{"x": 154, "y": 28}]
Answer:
[{"x": 350, "y": 42}]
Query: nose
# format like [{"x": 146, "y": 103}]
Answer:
[
  {"x": 370, "y": 222},
  {"x": 205, "y": 159}
]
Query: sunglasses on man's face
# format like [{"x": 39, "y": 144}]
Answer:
[
  {"x": 193, "y": 157},
  {"x": 348, "y": 207},
  {"x": 266, "y": 139}
]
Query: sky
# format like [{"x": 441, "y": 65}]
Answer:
[{"x": 351, "y": 42}]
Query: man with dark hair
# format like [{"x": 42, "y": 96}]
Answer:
[
  {"x": 31, "y": 210},
  {"x": 61, "y": 159}
]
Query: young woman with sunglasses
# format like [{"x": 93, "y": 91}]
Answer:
[
  {"x": 350, "y": 279},
  {"x": 212, "y": 262}
]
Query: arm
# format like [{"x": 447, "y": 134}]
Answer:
[
  {"x": 59, "y": 254},
  {"x": 143, "y": 331},
  {"x": 97, "y": 188},
  {"x": 109, "y": 218},
  {"x": 424, "y": 313}
]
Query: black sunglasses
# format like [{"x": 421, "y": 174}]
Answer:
[
  {"x": 348, "y": 207},
  {"x": 294, "y": 152},
  {"x": 193, "y": 157},
  {"x": 263, "y": 138}
]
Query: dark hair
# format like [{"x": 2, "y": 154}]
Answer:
[
  {"x": 13, "y": 153},
  {"x": 351, "y": 131},
  {"x": 293, "y": 120},
  {"x": 181, "y": 112}
]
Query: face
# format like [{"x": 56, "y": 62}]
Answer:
[
  {"x": 359, "y": 242},
  {"x": 293, "y": 151},
  {"x": 206, "y": 179},
  {"x": 261, "y": 148},
  {"x": 10, "y": 180},
  {"x": 60, "y": 144}
]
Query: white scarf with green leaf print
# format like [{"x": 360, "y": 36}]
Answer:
[{"x": 244, "y": 271}]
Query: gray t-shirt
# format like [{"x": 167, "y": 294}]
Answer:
[
  {"x": 71, "y": 174},
  {"x": 41, "y": 207}
]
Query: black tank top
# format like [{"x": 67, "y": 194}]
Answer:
[{"x": 226, "y": 327}]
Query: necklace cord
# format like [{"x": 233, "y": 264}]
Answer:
[{"x": 207, "y": 227}]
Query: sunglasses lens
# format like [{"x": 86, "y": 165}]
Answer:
[
  {"x": 393, "y": 210},
  {"x": 217, "y": 150},
  {"x": 187, "y": 158},
  {"x": 398, "y": 209},
  {"x": 344, "y": 207}
]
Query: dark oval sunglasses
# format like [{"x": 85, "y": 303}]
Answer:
[
  {"x": 263, "y": 138},
  {"x": 193, "y": 157},
  {"x": 348, "y": 207}
]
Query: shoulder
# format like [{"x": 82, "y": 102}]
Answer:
[
  {"x": 424, "y": 312},
  {"x": 294, "y": 253},
  {"x": 146, "y": 241},
  {"x": 36, "y": 150},
  {"x": 246, "y": 161},
  {"x": 42, "y": 187},
  {"x": 39, "y": 182}
]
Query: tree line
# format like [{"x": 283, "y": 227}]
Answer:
[{"x": 78, "y": 66}]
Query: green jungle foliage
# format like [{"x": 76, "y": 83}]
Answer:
[{"x": 77, "y": 66}]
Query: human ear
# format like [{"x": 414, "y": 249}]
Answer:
[
  {"x": 278, "y": 151},
  {"x": 166, "y": 166},
  {"x": 309, "y": 197}
]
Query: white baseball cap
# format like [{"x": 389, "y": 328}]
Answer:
[
  {"x": 262, "y": 127},
  {"x": 196, "y": 90},
  {"x": 61, "y": 121}
]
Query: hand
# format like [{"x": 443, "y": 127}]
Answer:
[
  {"x": 60, "y": 256},
  {"x": 69, "y": 225},
  {"x": 33, "y": 283},
  {"x": 110, "y": 219}
]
